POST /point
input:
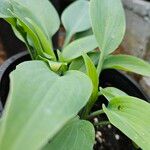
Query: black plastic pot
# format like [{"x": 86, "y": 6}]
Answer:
[{"x": 108, "y": 77}]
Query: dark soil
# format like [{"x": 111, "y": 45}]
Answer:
[{"x": 110, "y": 138}]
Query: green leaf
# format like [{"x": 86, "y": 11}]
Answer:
[
  {"x": 111, "y": 92},
  {"x": 40, "y": 103},
  {"x": 76, "y": 135},
  {"x": 46, "y": 45},
  {"x": 25, "y": 15},
  {"x": 78, "y": 63},
  {"x": 4, "y": 5},
  {"x": 15, "y": 27},
  {"x": 83, "y": 34},
  {"x": 108, "y": 23},
  {"x": 21, "y": 29},
  {"x": 75, "y": 18},
  {"x": 92, "y": 73},
  {"x": 132, "y": 116},
  {"x": 79, "y": 47},
  {"x": 127, "y": 63},
  {"x": 39, "y": 12}
]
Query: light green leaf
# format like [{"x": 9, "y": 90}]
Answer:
[
  {"x": 40, "y": 13},
  {"x": 75, "y": 18},
  {"x": 79, "y": 47},
  {"x": 127, "y": 63},
  {"x": 21, "y": 29},
  {"x": 46, "y": 45},
  {"x": 132, "y": 116},
  {"x": 39, "y": 104},
  {"x": 76, "y": 135},
  {"x": 78, "y": 63},
  {"x": 15, "y": 28},
  {"x": 4, "y": 5},
  {"x": 108, "y": 23},
  {"x": 30, "y": 20},
  {"x": 92, "y": 73},
  {"x": 111, "y": 92}
]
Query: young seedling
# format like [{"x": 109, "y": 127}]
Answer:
[{"x": 51, "y": 97}]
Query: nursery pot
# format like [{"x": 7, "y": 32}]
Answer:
[{"x": 108, "y": 77}]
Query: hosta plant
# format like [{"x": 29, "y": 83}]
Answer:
[{"x": 51, "y": 97}]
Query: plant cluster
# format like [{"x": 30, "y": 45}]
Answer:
[{"x": 51, "y": 97}]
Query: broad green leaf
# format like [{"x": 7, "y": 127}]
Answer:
[
  {"x": 40, "y": 103},
  {"x": 4, "y": 5},
  {"x": 76, "y": 135},
  {"x": 127, "y": 63},
  {"x": 92, "y": 73},
  {"x": 78, "y": 63},
  {"x": 111, "y": 92},
  {"x": 75, "y": 18},
  {"x": 132, "y": 116},
  {"x": 25, "y": 15},
  {"x": 79, "y": 47},
  {"x": 40, "y": 13},
  {"x": 108, "y": 23}
]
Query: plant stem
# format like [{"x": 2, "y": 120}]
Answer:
[
  {"x": 102, "y": 123},
  {"x": 100, "y": 63},
  {"x": 94, "y": 98},
  {"x": 89, "y": 106},
  {"x": 96, "y": 113}
]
